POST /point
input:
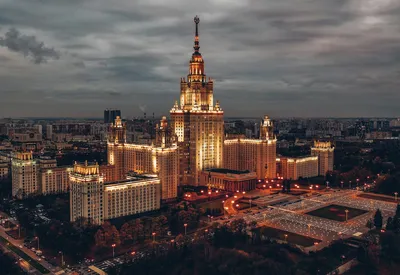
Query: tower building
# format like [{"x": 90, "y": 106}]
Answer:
[
  {"x": 324, "y": 150},
  {"x": 196, "y": 121},
  {"x": 256, "y": 155},
  {"x": 86, "y": 193},
  {"x": 24, "y": 173}
]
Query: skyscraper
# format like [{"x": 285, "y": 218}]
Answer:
[
  {"x": 196, "y": 121},
  {"x": 110, "y": 115}
]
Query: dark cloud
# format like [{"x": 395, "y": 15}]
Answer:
[
  {"x": 28, "y": 46},
  {"x": 311, "y": 58}
]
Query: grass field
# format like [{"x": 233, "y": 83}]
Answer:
[
  {"x": 337, "y": 212},
  {"x": 24, "y": 256},
  {"x": 293, "y": 238}
]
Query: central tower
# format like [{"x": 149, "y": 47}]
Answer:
[{"x": 196, "y": 121}]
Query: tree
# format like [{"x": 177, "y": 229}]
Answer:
[
  {"x": 159, "y": 225},
  {"x": 238, "y": 226},
  {"x": 378, "y": 219},
  {"x": 126, "y": 232},
  {"x": 389, "y": 224},
  {"x": 370, "y": 224},
  {"x": 107, "y": 235}
]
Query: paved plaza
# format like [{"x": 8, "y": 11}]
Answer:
[{"x": 288, "y": 213}]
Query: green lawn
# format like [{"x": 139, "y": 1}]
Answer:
[
  {"x": 293, "y": 238},
  {"x": 337, "y": 212},
  {"x": 24, "y": 256}
]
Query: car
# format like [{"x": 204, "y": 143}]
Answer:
[{"x": 20, "y": 246}]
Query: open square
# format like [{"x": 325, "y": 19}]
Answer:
[{"x": 337, "y": 212}]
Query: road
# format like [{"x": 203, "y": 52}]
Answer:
[{"x": 20, "y": 245}]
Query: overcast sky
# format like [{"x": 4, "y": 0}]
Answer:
[{"x": 314, "y": 58}]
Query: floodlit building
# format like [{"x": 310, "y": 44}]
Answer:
[
  {"x": 24, "y": 173},
  {"x": 86, "y": 193},
  {"x": 32, "y": 177},
  {"x": 324, "y": 150},
  {"x": 258, "y": 155},
  {"x": 295, "y": 168},
  {"x": 161, "y": 158},
  {"x": 52, "y": 179},
  {"x": 197, "y": 121},
  {"x": 229, "y": 180},
  {"x": 132, "y": 196},
  {"x": 95, "y": 200}
]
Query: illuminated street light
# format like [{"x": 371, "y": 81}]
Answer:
[
  {"x": 286, "y": 237},
  {"x": 347, "y": 211},
  {"x": 395, "y": 196},
  {"x": 185, "y": 225},
  {"x": 113, "y": 249},
  {"x": 154, "y": 236}
]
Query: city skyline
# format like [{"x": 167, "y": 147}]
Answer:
[{"x": 317, "y": 60}]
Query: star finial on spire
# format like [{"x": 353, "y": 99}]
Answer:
[{"x": 196, "y": 38}]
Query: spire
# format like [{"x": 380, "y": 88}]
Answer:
[{"x": 196, "y": 38}]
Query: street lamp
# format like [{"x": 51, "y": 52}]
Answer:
[
  {"x": 309, "y": 229},
  {"x": 316, "y": 243},
  {"x": 265, "y": 216},
  {"x": 347, "y": 211},
  {"x": 395, "y": 196},
  {"x": 19, "y": 231},
  {"x": 185, "y": 225},
  {"x": 154, "y": 236},
  {"x": 38, "y": 242},
  {"x": 341, "y": 183},
  {"x": 286, "y": 237},
  {"x": 62, "y": 258},
  {"x": 113, "y": 249}
]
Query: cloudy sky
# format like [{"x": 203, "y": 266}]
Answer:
[{"x": 314, "y": 58}]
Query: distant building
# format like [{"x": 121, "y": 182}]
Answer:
[
  {"x": 258, "y": 155},
  {"x": 32, "y": 177},
  {"x": 299, "y": 167},
  {"x": 52, "y": 179},
  {"x": 324, "y": 150},
  {"x": 93, "y": 199},
  {"x": 229, "y": 180},
  {"x": 110, "y": 115}
]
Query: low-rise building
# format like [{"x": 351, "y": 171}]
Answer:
[
  {"x": 295, "y": 168},
  {"x": 229, "y": 180}
]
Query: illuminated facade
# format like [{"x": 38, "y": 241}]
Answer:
[
  {"x": 133, "y": 196},
  {"x": 295, "y": 168},
  {"x": 324, "y": 150},
  {"x": 24, "y": 173},
  {"x": 197, "y": 122},
  {"x": 86, "y": 193},
  {"x": 93, "y": 199},
  {"x": 258, "y": 155},
  {"x": 161, "y": 158},
  {"x": 53, "y": 179},
  {"x": 32, "y": 177},
  {"x": 229, "y": 180}
]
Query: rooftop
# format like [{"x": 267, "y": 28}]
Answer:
[{"x": 228, "y": 171}]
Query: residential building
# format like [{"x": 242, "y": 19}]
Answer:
[{"x": 324, "y": 150}]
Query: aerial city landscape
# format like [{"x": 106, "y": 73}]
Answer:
[{"x": 169, "y": 183}]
